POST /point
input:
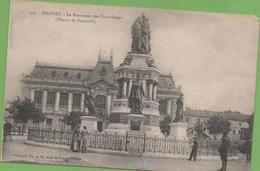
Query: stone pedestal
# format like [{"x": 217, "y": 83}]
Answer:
[
  {"x": 178, "y": 131},
  {"x": 135, "y": 122},
  {"x": 90, "y": 122}
]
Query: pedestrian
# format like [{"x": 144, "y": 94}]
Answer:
[
  {"x": 7, "y": 131},
  {"x": 75, "y": 142},
  {"x": 194, "y": 149},
  {"x": 84, "y": 139},
  {"x": 223, "y": 150},
  {"x": 248, "y": 148}
]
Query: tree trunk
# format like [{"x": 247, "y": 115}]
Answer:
[{"x": 23, "y": 128}]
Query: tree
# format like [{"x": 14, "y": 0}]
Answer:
[
  {"x": 217, "y": 124},
  {"x": 165, "y": 125},
  {"x": 24, "y": 110},
  {"x": 199, "y": 128},
  {"x": 73, "y": 119}
]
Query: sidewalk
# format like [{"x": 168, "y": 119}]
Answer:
[
  {"x": 123, "y": 153},
  {"x": 18, "y": 151}
]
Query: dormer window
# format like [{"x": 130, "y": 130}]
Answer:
[
  {"x": 103, "y": 72},
  {"x": 79, "y": 75},
  {"x": 66, "y": 74},
  {"x": 53, "y": 74}
]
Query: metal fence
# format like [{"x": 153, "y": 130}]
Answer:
[{"x": 128, "y": 142}]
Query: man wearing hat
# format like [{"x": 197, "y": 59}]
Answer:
[
  {"x": 223, "y": 150},
  {"x": 194, "y": 150}
]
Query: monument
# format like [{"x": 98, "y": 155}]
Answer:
[
  {"x": 89, "y": 120},
  {"x": 178, "y": 128},
  {"x": 136, "y": 108}
]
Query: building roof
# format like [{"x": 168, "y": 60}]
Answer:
[
  {"x": 166, "y": 81},
  {"x": 103, "y": 72},
  {"x": 59, "y": 73},
  {"x": 230, "y": 115},
  {"x": 50, "y": 72}
]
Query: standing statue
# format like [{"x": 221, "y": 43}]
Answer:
[
  {"x": 141, "y": 35},
  {"x": 179, "y": 110},
  {"x": 135, "y": 102},
  {"x": 89, "y": 101}
]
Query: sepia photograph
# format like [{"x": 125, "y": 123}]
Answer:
[{"x": 129, "y": 88}]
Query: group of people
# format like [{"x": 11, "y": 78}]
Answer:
[
  {"x": 223, "y": 150},
  {"x": 79, "y": 140}
]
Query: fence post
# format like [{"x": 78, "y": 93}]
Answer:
[
  {"x": 54, "y": 137},
  {"x": 126, "y": 140},
  {"x": 144, "y": 142},
  {"x": 164, "y": 144},
  {"x": 115, "y": 141},
  {"x": 105, "y": 141},
  {"x": 95, "y": 140}
]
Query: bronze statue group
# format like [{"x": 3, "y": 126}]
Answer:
[
  {"x": 79, "y": 140},
  {"x": 223, "y": 150}
]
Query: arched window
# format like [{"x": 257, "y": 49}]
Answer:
[
  {"x": 101, "y": 101},
  {"x": 64, "y": 100},
  {"x": 38, "y": 97},
  {"x": 76, "y": 102},
  {"x": 163, "y": 107},
  {"x": 50, "y": 99}
]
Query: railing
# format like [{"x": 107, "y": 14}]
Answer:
[{"x": 128, "y": 142}]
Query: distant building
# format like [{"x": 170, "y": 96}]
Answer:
[{"x": 238, "y": 121}]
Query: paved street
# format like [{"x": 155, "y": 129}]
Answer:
[{"x": 18, "y": 151}]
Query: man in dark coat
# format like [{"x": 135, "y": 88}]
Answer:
[
  {"x": 223, "y": 150},
  {"x": 7, "y": 130},
  {"x": 75, "y": 141},
  {"x": 194, "y": 149}
]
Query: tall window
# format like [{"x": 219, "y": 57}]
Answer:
[
  {"x": 76, "y": 101},
  {"x": 51, "y": 99},
  {"x": 100, "y": 101},
  {"x": 163, "y": 107},
  {"x": 61, "y": 124},
  {"x": 38, "y": 97},
  {"x": 48, "y": 123},
  {"x": 64, "y": 100}
]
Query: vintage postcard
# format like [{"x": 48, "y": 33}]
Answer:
[{"x": 129, "y": 88}]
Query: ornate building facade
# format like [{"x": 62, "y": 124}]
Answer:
[{"x": 58, "y": 90}]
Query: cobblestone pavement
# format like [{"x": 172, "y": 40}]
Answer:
[{"x": 18, "y": 151}]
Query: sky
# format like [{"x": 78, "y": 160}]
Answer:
[{"x": 212, "y": 56}]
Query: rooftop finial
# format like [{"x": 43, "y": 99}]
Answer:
[
  {"x": 99, "y": 53},
  {"x": 111, "y": 55}
]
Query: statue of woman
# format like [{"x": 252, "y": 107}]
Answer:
[
  {"x": 90, "y": 101},
  {"x": 135, "y": 102},
  {"x": 179, "y": 110},
  {"x": 141, "y": 35}
]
